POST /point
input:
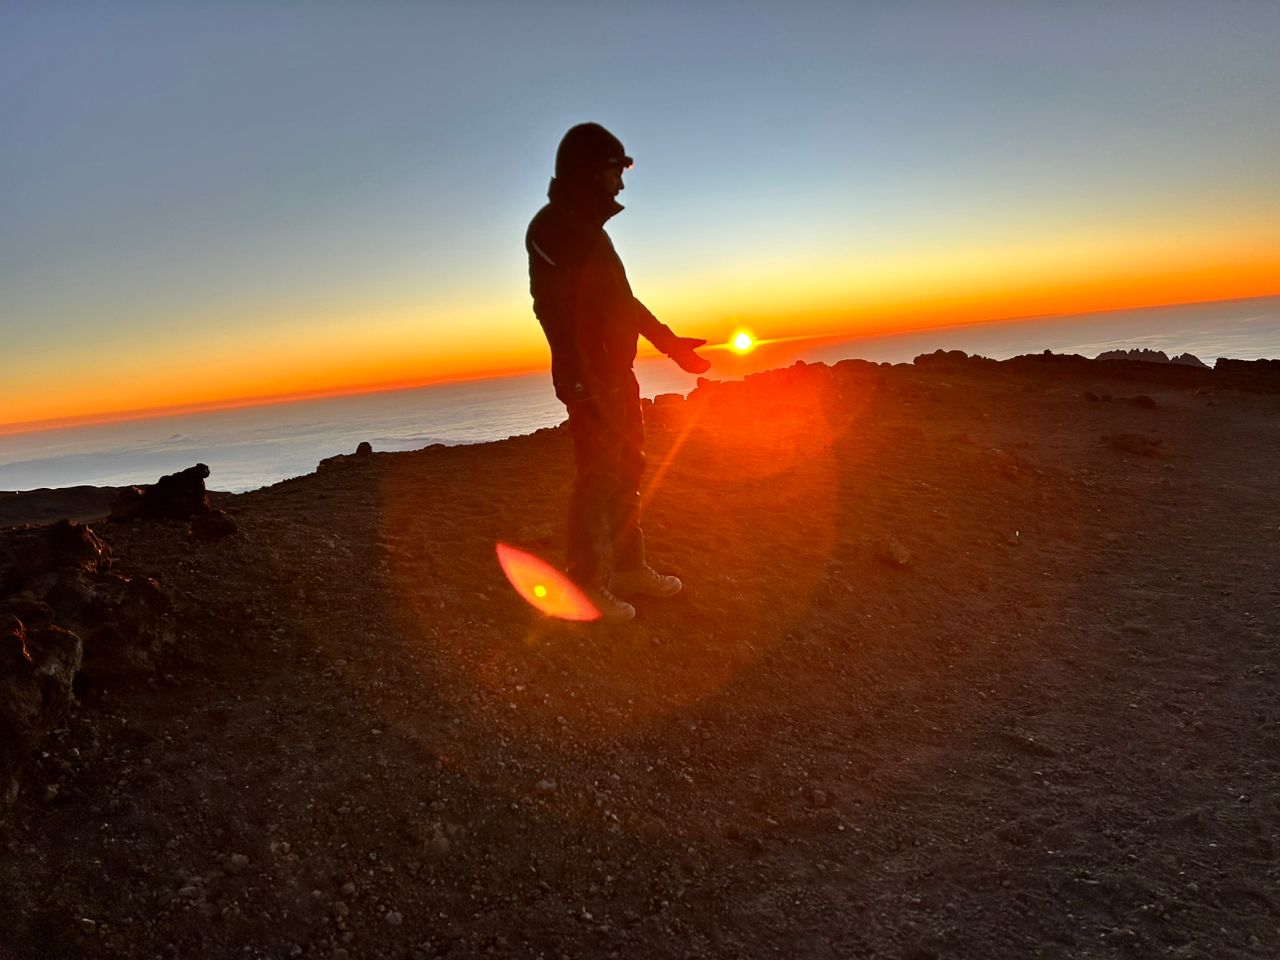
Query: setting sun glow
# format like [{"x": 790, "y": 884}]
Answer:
[{"x": 742, "y": 342}]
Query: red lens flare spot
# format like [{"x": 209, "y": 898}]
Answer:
[{"x": 544, "y": 587}]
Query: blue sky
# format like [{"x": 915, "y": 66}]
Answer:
[{"x": 213, "y": 179}]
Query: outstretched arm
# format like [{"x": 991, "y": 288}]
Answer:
[{"x": 679, "y": 349}]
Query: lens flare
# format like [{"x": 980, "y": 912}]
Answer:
[
  {"x": 543, "y": 586},
  {"x": 742, "y": 342}
]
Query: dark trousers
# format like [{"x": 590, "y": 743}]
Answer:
[{"x": 604, "y": 512}]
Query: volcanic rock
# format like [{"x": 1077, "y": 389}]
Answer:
[
  {"x": 28, "y": 554},
  {"x": 1134, "y": 443},
  {"x": 37, "y": 667},
  {"x": 1143, "y": 354},
  {"x": 176, "y": 496},
  {"x": 56, "y": 582},
  {"x": 1141, "y": 400},
  {"x": 890, "y": 552}
]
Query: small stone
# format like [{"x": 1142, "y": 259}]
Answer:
[
  {"x": 892, "y": 553},
  {"x": 340, "y": 909},
  {"x": 348, "y": 889},
  {"x": 86, "y": 925},
  {"x": 188, "y": 893},
  {"x": 545, "y": 786},
  {"x": 394, "y": 918},
  {"x": 237, "y": 862}
]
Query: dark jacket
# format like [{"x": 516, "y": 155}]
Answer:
[{"x": 582, "y": 298}]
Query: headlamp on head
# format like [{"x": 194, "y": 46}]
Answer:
[{"x": 587, "y": 149}]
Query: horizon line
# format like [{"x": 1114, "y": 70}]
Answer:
[{"x": 321, "y": 393}]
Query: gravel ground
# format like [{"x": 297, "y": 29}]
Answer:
[{"x": 953, "y": 675}]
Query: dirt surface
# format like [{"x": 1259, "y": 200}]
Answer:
[
  {"x": 44, "y": 505},
  {"x": 952, "y": 676}
]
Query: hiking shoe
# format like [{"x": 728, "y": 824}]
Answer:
[
  {"x": 645, "y": 581},
  {"x": 612, "y": 610}
]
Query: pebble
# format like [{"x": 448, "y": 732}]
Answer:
[
  {"x": 85, "y": 925},
  {"x": 348, "y": 888},
  {"x": 394, "y": 917},
  {"x": 545, "y": 786},
  {"x": 237, "y": 862}
]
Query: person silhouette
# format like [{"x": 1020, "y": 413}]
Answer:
[{"x": 592, "y": 322}]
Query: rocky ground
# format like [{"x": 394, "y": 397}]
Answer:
[{"x": 968, "y": 665}]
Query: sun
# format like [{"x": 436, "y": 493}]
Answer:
[{"x": 742, "y": 342}]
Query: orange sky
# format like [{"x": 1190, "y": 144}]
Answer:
[
  {"x": 283, "y": 364},
  {"x": 223, "y": 358}
]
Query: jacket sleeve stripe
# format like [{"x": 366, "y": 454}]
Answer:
[{"x": 542, "y": 253}]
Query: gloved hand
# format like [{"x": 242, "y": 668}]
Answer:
[{"x": 683, "y": 354}]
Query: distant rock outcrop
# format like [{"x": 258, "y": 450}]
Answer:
[
  {"x": 1152, "y": 356},
  {"x": 1248, "y": 374},
  {"x": 950, "y": 361},
  {"x": 175, "y": 496}
]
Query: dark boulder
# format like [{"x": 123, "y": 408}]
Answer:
[
  {"x": 1135, "y": 443},
  {"x": 364, "y": 448},
  {"x": 123, "y": 622},
  {"x": 37, "y": 668},
  {"x": 175, "y": 496},
  {"x": 1141, "y": 400},
  {"x": 28, "y": 554},
  {"x": 68, "y": 623}
]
